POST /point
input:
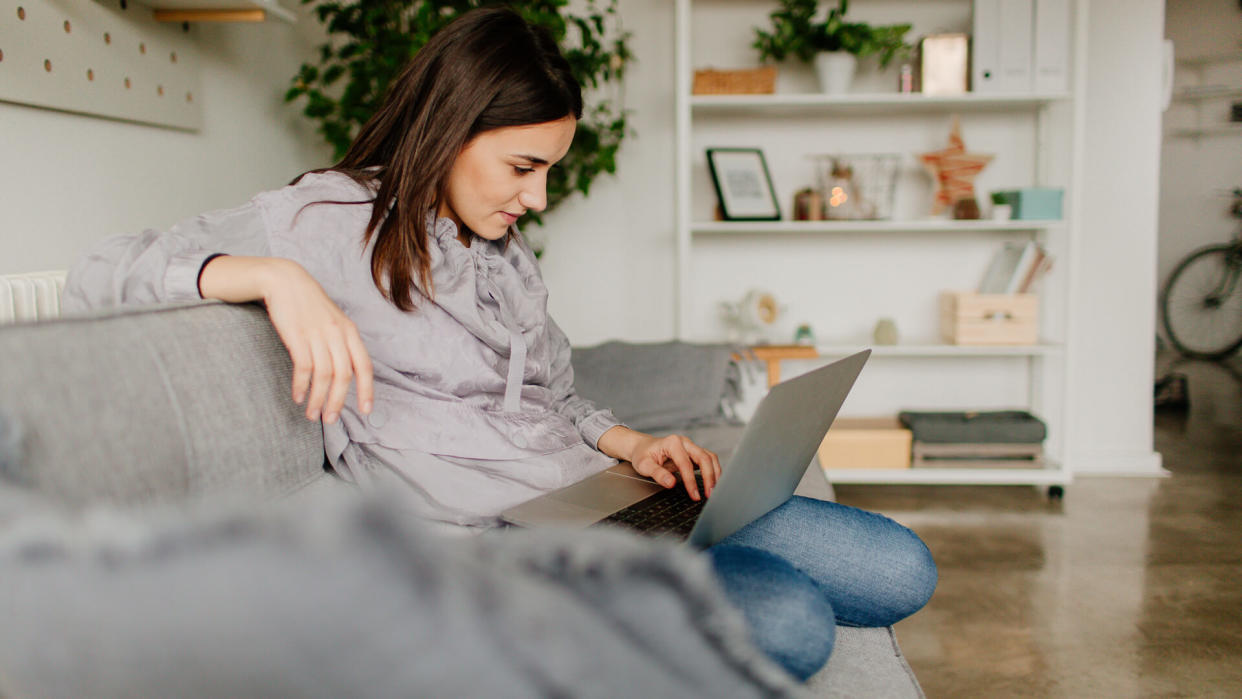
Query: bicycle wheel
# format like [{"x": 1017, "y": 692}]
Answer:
[{"x": 1202, "y": 303}]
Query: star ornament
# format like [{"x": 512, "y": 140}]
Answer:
[{"x": 954, "y": 170}]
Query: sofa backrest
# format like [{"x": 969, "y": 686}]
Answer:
[{"x": 155, "y": 404}]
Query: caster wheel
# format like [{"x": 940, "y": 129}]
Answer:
[{"x": 1056, "y": 492}]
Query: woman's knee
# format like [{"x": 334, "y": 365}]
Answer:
[
  {"x": 909, "y": 582},
  {"x": 789, "y": 615}
]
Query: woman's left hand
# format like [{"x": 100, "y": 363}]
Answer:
[{"x": 664, "y": 458}]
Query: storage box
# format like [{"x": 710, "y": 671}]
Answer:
[
  {"x": 866, "y": 443},
  {"x": 989, "y": 319},
  {"x": 1033, "y": 203},
  {"x": 754, "y": 81}
]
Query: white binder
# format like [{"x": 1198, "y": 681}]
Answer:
[
  {"x": 1052, "y": 46},
  {"x": 1016, "y": 23},
  {"x": 985, "y": 47}
]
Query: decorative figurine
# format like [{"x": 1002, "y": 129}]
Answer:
[
  {"x": 954, "y": 170},
  {"x": 749, "y": 320},
  {"x": 885, "y": 332}
]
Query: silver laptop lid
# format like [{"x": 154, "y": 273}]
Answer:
[{"x": 777, "y": 445}]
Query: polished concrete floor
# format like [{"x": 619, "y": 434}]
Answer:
[{"x": 1126, "y": 588}]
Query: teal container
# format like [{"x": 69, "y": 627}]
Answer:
[{"x": 1033, "y": 203}]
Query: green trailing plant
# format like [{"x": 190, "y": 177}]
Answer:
[
  {"x": 795, "y": 32},
  {"x": 371, "y": 40}
]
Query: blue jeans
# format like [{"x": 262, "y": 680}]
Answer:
[{"x": 809, "y": 565}]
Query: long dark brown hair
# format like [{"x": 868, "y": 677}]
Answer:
[{"x": 486, "y": 70}]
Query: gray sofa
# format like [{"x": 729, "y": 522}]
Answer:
[{"x": 177, "y": 419}]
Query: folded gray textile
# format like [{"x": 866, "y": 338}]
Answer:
[
  {"x": 997, "y": 427},
  {"x": 649, "y": 386},
  {"x": 349, "y": 596}
]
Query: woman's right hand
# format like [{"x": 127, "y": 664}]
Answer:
[{"x": 323, "y": 342}]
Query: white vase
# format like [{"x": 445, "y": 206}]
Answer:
[{"x": 835, "y": 70}]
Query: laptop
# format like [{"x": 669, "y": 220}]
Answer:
[{"x": 775, "y": 449}]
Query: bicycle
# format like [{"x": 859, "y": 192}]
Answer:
[{"x": 1201, "y": 302}]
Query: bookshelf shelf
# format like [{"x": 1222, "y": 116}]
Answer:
[
  {"x": 876, "y": 103},
  {"x": 842, "y": 227},
  {"x": 1221, "y": 130},
  {"x": 219, "y": 11},
  {"x": 1203, "y": 61},
  {"x": 1052, "y": 475},
  {"x": 932, "y": 349},
  {"x": 1207, "y": 92}
]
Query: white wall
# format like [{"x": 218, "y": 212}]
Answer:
[
  {"x": 609, "y": 260},
  {"x": 1196, "y": 174},
  {"x": 71, "y": 180}
]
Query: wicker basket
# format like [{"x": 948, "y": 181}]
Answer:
[{"x": 755, "y": 81}]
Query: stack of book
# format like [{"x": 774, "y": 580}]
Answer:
[{"x": 1016, "y": 268}]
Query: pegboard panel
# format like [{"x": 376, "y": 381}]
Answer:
[{"x": 106, "y": 58}]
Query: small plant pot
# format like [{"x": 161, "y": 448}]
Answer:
[
  {"x": 835, "y": 70},
  {"x": 1002, "y": 212}
]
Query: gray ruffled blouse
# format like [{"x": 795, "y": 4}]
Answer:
[{"x": 475, "y": 409}]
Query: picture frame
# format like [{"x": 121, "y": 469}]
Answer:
[{"x": 743, "y": 184}]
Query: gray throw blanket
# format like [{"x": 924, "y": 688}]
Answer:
[{"x": 347, "y": 596}]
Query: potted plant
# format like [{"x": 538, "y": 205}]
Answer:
[
  {"x": 369, "y": 42},
  {"x": 833, "y": 44}
]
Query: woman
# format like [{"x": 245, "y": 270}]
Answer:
[{"x": 434, "y": 308}]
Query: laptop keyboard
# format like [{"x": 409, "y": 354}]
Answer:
[{"x": 669, "y": 513}]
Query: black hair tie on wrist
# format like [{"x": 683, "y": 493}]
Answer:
[{"x": 199, "y": 282}]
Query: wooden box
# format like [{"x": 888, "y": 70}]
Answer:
[
  {"x": 866, "y": 443},
  {"x": 989, "y": 319},
  {"x": 753, "y": 81}
]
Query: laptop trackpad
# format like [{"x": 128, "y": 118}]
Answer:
[
  {"x": 547, "y": 511},
  {"x": 607, "y": 492}
]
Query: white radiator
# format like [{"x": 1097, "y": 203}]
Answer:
[{"x": 30, "y": 297}]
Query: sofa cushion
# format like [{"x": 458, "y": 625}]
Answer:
[
  {"x": 866, "y": 663},
  {"x": 658, "y": 385},
  {"x": 156, "y": 404}
]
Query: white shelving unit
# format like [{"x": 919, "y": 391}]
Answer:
[
  {"x": 1202, "y": 95},
  {"x": 1044, "y": 365}
]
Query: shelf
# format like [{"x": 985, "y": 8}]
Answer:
[
  {"x": 941, "y": 350},
  {"x": 950, "y": 476},
  {"x": 877, "y": 103},
  {"x": 1201, "y": 61},
  {"x": 1221, "y": 130},
  {"x": 838, "y": 227},
  {"x": 218, "y": 10},
  {"x": 1206, "y": 92}
]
